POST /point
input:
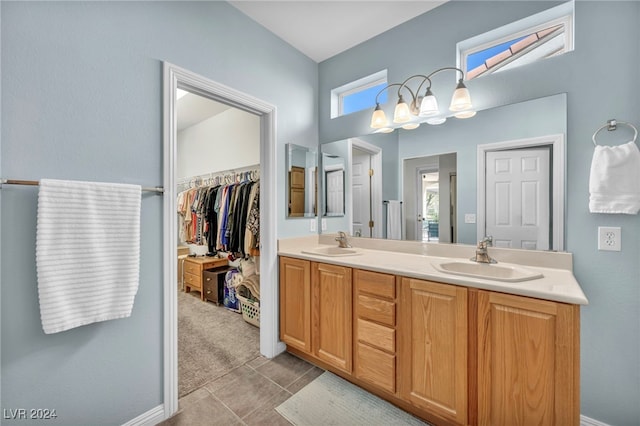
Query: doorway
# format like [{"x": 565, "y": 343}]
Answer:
[
  {"x": 430, "y": 194},
  {"x": 547, "y": 208},
  {"x": 174, "y": 78},
  {"x": 428, "y": 206},
  {"x": 517, "y": 183},
  {"x": 213, "y": 335},
  {"x": 366, "y": 189}
]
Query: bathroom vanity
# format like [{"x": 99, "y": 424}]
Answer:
[{"x": 452, "y": 348}]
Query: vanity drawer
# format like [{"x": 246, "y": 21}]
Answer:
[
  {"x": 376, "y": 367},
  {"x": 376, "y": 335},
  {"x": 383, "y": 285},
  {"x": 375, "y": 309}
]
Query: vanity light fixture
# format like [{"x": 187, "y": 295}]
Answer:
[{"x": 408, "y": 115}]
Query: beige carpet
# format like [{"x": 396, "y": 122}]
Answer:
[
  {"x": 212, "y": 341},
  {"x": 331, "y": 400}
]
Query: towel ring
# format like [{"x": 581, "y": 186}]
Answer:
[{"x": 611, "y": 125}]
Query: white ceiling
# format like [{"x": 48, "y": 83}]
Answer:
[
  {"x": 322, "y": 29},
  {"x": 192, "y": 109}
]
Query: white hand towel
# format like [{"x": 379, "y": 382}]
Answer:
[
  {"x": 614, "y": 183},
  {"x": 394, "y": 220},
  {"x": 87, "y": 252}
]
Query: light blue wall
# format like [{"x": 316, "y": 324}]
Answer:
[
  {"x": 82, "y": 99},
  {"x": 602, "y": 80}
]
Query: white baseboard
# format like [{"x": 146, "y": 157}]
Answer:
[
  {"x": 586, "y": 421},
  {"x": 150, "y": 418}
]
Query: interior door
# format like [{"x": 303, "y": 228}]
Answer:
[
  {"x": 361, "y": 192},
  {"x": 335, "y": 192},
  {"x": 296, "y": 191},
  {"x": 518, "y": 198}
]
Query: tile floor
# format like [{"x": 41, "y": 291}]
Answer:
[{"x": 247, "y": 395}]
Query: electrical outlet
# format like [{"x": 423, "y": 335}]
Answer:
[
  {"x": 312, "y": 225},
  {"x": 609, "y": 238},
  {"x": 324, "y": 224},
  {"x": 469, "y": 218}
]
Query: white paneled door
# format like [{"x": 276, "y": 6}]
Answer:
[
  {"x": 335, "y": 192},
  {"x": 361, "y": 192},
  {"x": 518, "y": 198}
]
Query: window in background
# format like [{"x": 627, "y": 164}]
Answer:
[
  {"x": 546, "y": 34},
  {"x": 358, "y": 95}
]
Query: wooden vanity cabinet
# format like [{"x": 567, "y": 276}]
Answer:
[
  {"x": 295, "y": 303},
  {"x": 450, "y": 354},
  {"x": 331, "y": 313},
  {"x": 433, "y": 348},
  {"x": 374, "y": 342},
  {"x": 528, "y": 361},
  {"x": 316, "y": 310}
]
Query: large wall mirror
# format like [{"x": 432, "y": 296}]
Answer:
[
  {"x": 433, "y": 174},
  {"x": 302, "y": 181}
]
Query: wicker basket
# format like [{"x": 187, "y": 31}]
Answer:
[{"x": 250, "y": 311}]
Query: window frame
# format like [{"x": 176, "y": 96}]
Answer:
[
  {"x": 563, "y": 14},
  {"x": 339, "y": 93}
]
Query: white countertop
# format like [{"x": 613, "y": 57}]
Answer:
[{"x": 416, "y": 260}]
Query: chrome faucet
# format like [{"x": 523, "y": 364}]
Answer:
[
  {"x": 342, "y": 240},
  {"x": 482, "y": 255}
]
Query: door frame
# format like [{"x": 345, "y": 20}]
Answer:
[
  {"x": 270, "y": 346},
  {"x": 419, "y": 199},
  {"x": 558, "y": 166},
  {"x": 376, "y": 183}
]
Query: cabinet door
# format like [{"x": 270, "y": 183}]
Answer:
[
  {"x": 528, "y": 361},
  {"x": 295, "y": 303},
  {"x": 433, "y": 348},
  {"x": 332, "y": 320}
]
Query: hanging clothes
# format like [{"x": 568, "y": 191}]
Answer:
[{"x": 222, "y": 217}]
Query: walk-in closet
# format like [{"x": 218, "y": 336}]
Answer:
[{"x": 218, "y": 213}]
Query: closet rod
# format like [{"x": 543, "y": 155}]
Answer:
[{"x": 157, "y": 189}]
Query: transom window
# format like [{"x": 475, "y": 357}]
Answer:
[
  {"x": 540, "y": 36},
  {"x": 359, "y": 94}
]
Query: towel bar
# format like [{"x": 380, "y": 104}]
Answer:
[
  {"x": 157, "y": 189},
  {"x": 612, "y": 125}
]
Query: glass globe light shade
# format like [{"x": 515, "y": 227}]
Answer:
[
  {"x": 461, "y": 99},
  {"x": 402, "y": 113}
]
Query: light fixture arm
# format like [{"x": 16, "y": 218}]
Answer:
[
  {"x": 422, "y": 83},
  {"x": 445, "y": 69},
  {"x": 383, "y": 89},
  {"x": 404, "y": 84}
]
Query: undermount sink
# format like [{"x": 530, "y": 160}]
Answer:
[
  {"x": 488, "y": 271},
  {"x": 331, "y": 251}
]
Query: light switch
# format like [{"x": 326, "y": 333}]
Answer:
[{"x": 469, "y": 218}]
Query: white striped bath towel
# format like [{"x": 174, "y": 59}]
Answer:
[{"x": 87, "y": 252}]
